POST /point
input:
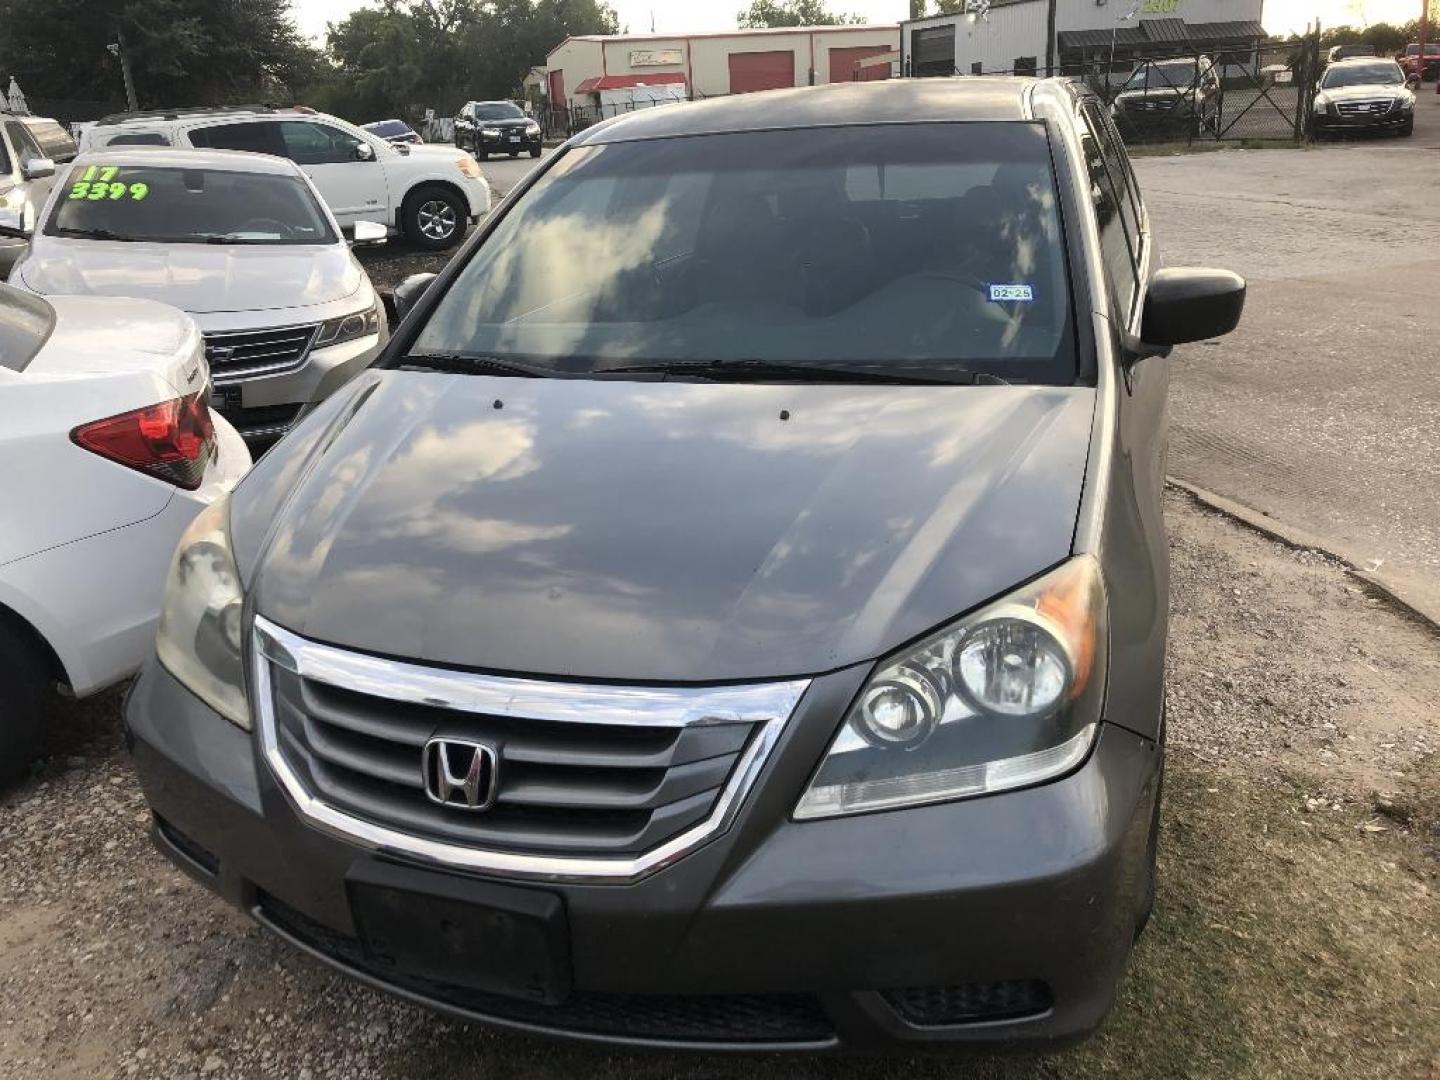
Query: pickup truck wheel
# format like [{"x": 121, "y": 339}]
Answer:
[
  {"x": 21, "y": 702},
  {"x": 434, "y": 218},
  {"x": 535, "y": 152}
]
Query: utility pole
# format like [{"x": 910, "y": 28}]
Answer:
[{"x": 119, "y": 49}]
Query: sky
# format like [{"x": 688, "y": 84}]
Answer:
[{"x": 679, "y": 16}]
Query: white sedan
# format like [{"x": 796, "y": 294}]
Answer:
[
  {"x": 109, "y": 451},
  {"x": 243, "y": 243}
]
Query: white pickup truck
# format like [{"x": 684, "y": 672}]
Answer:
[{"x": 430, "y": 192}]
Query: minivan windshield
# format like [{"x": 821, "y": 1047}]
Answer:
[
  {"x": 186, "y": 206},
  {"x": 904, "y": 245},
  {"x": 1382, "y": 74}
]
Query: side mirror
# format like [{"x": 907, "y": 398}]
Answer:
[
  {"x": 364, "y": 152},
  {"x": 408, "y": 293},
  {"x": 403, "y": 147},
  {"x": 1185, "y": 304},
  {"x": 12, "y": 223},
  {"x": 368, "y": 234},
  {"x": 37, "y": 168}
]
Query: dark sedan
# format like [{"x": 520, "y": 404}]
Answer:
[
  {"x": 496, "y": 127},
  {"x": 732, "y": 614},
  {"x": 1363, "y": 95}
]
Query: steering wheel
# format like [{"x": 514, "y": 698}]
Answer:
[{"x": 265, "y": 224}]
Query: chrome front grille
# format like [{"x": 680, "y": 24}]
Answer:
[
  {"x": 591, "y": 781},
  {"x": 247, "y": 354},
  {"x": 1364, "y": 108}
]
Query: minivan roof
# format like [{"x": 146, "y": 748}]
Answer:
[{"x": 985, "y": 97}]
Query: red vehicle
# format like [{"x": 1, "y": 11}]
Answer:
[{"x": 1410, "y": 60}]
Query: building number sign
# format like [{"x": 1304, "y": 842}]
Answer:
[{"x": 1159, "y": 7}]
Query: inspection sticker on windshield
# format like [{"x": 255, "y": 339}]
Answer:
[
  {"x": 99, "y": 182},
  {"x": 1002, "y": 293}
]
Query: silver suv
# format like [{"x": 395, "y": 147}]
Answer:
[{"x": 30, "y": 148}]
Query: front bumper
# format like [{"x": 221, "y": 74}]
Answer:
[
  {"x": 1386, "y": 121},
  {"x": 507, "y": 142},
  {"x": 1021, "y": 906},
  {"x": 262, "y": 408}
]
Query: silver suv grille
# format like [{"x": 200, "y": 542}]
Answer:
[
  {"x": 246, "y": 354},
  {"x": 591, "y": 781}
]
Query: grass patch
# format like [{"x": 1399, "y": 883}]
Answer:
[{"x": 1285, "y": 943}]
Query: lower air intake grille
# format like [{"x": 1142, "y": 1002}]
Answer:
[
  {"x": 969, "y": 1003},
  {"x": 701, "y": 1018}
]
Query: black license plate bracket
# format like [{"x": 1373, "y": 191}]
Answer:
[{"x": 499, "y": 939}]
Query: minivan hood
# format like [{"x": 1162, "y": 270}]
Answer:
[
  {"x": 646, "y": 531},
  {"x": 198, "y": 278}
]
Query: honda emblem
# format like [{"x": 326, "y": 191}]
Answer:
[{"x": 459, "y": 773}]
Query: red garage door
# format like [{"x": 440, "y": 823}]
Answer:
[
  {"x": 557, "y": 89},
  {"x": 842, "y": 63},
  {"x": 761, "y": 71}
]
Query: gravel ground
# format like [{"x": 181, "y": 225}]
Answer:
[{"x": 114, "y": 964}]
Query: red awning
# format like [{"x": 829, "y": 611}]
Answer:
[{"x": 619, "y": 82}]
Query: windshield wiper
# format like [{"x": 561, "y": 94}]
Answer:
[
  {"x": 233, "y": 238},
  {"x": 94, "y": 234},
  {"x": 742, "y": 369},
  {"x": 466, "y": 364}
]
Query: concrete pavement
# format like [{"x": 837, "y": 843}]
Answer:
[{"x": 1323, "y": 408}]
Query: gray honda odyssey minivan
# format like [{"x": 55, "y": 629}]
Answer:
[{"x": 732, "y": 614}]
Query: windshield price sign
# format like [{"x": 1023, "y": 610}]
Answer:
[{"x": 100, "y": 182}]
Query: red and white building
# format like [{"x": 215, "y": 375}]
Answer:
[{"x": 595, "y": 70}]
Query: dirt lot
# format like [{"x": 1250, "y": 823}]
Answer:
[{"x": 1297, "y": 931}]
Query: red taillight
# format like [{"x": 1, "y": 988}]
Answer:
[{"x": 172, "y": 440}]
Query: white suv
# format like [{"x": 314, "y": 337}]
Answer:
[{"x": 429, "y": 192}]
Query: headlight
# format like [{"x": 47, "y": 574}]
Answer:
[
  {"x": 532, "y": 128},
  {"x": 1406, "y": 103},
  {"x": 349, "y": 327},
  {"x": 490, "y": 133},
  {"x": 199, "y": 636},
  {"x": 468, "y": 166},
  {"x": 1004, "y": 698}
]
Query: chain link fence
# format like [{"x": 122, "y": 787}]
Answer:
[{"x": 1263, "y": 92}]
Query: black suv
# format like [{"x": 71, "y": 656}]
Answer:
[
  {"x": 1169, "y": 99},
  {"x": 496, "y": 127},
  {"x": 732, "y": 613}
]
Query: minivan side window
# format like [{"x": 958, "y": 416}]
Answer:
[
  {"x": 5, "y": 165},
  {"x": 308, "y": 143},
  {"x": 1115, "y": 250},
  {"x": 1112, "y": 150},
  {"x": 255, "y": 136}
]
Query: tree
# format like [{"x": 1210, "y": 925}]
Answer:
[
  {"x": 406, "y": 55},
  {"x": 917, "y": 9},
  {"x": 181, "y": 51},
  {"x": 767, "y": 13}
]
